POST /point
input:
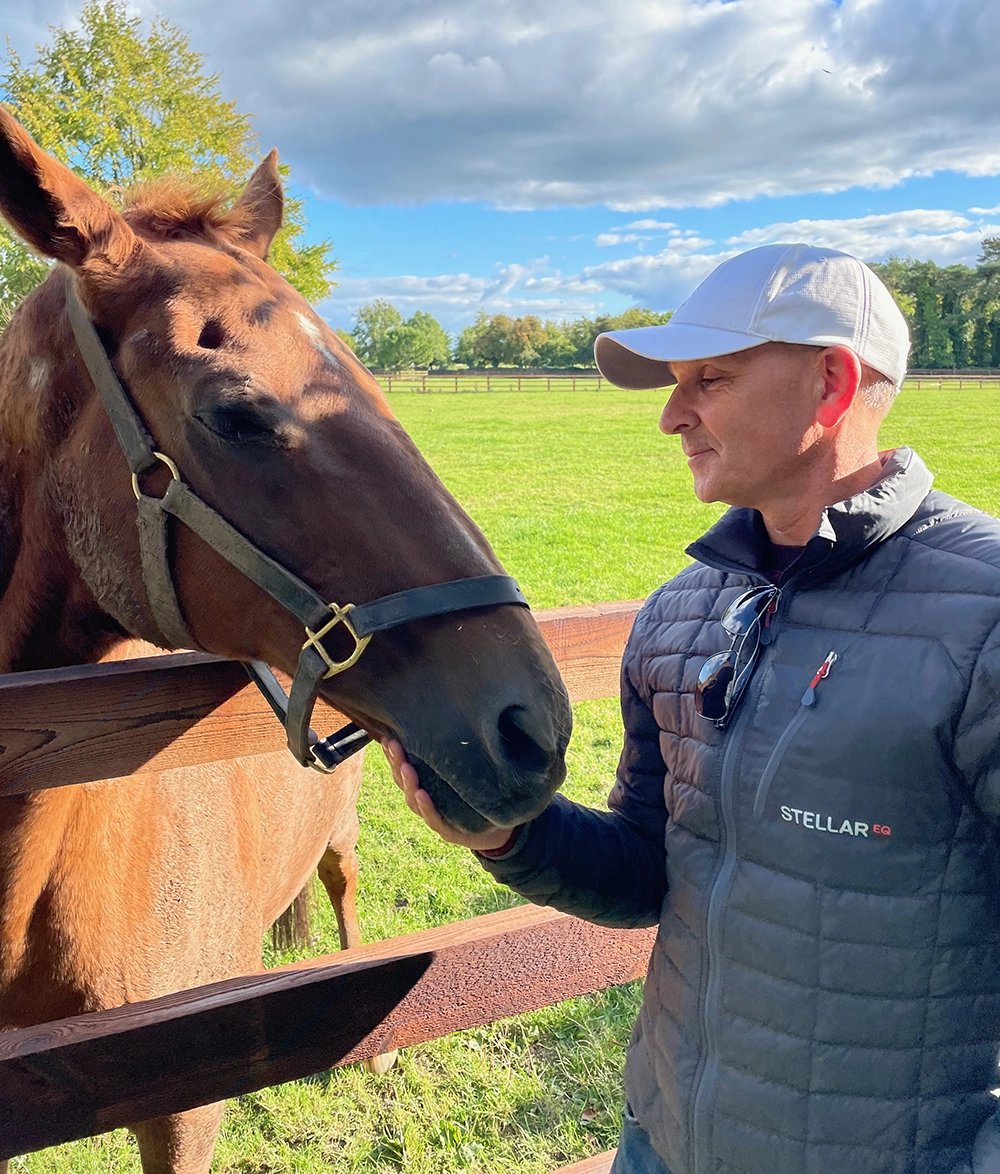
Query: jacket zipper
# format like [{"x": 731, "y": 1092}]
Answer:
[
  {"x": 706, "y": 1079},
  {"x": 788, "y": 733},
  {"x": 705, "y": 1084}
]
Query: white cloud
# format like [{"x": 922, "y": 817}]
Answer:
[
  {"x": 663, "y": 279},
  {"x": 640, "y": 106},
  {"x": 938, "y": 235},
  {"x": 454, "y": 298},
  {"x": 653, "y": 225},
  {"x": 605, "y": 239}
]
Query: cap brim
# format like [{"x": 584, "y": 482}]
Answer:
[{"x": 640, "y": 359}]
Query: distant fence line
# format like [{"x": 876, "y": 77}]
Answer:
[
  {"x": 941, "y": 378},
  {"x": 470, "y": 382},
  {"x": 473, "y": 381}
]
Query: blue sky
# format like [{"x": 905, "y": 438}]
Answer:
[{"x": 564, "y": 159}]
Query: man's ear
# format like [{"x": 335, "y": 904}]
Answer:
[
  {"x": 263, "y": 205},
  {"x": 840, "y": 372},
  {"x": 53, "y": 209}
]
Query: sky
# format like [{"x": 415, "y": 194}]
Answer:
[{"x": 568, "y": 157}]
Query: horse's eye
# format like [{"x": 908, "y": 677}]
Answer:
[
  {"x": 212, "y": 335},
  {"x": 238, "y": 424}
]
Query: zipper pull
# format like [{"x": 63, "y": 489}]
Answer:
[
  {"x": 809, "y": 696},
  {"x": 766, "y": 635}
]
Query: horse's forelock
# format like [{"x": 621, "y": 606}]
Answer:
[{"x": 169, "y": 208}]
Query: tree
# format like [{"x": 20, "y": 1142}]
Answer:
[
  {"x": 557, "y": 350},
  {"x": 372, "y": 324},
  {"x": 426, "y": 344},
  {"x": 953, "y": 313},
  {"x": 123, "y": 106},
  {"x": 382, "y": 339},
  {"x": 492, "y": 341},
  {"x": 584, "y": 331},
  {"x": 990, "y": 251}
]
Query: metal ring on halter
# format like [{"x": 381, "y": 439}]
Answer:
[
  {"x": 175, "y": 473},
  {"x": 340, "y": 616}
]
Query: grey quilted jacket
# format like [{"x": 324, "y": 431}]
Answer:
[{"x": 824, "y": 993}]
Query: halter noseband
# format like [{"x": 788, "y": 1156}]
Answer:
[{"x": 317, "y": 616}]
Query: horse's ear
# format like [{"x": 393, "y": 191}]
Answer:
[
  {"x": 53, "y": 209},
  {"x": 262, "y": 205}
]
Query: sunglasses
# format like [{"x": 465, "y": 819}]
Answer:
[{"x": 724, "y": 677}]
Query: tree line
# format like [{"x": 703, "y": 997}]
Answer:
[
  {"x": 381, "y": 338},
  {"x": 953, "y": 312}
]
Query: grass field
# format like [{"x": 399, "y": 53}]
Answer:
[{"x": 584, "y": 501}]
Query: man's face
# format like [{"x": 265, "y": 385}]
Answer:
[{"x": 747, "y": 421}]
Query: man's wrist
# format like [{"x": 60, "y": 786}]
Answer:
[{"x": 504, "y": 848}]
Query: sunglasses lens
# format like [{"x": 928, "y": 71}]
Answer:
[
  {"x": 715, "y": 684},
  {"x": 746, "y": 610}
]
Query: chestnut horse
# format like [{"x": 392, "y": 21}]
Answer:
[{"x": 124, "y": 890}]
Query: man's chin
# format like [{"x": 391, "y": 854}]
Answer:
[{"x": 705, "y": 490}]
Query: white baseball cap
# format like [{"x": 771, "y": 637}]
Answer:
[{"x": 777, "y": 293}]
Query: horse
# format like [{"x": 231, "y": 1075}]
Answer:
[{"x": 128, "y": 889}]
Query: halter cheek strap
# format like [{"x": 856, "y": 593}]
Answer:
[{"x": 317, "y": 616}]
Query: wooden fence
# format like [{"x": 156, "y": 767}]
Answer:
[
  {"x": 485, "y": 381},
  {"x": 77, "y": 1077},
  {"x": 423, "y": 382},
  {"x": 938, "y": 379}
]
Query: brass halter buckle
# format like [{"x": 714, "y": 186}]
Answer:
[
  {"x": 340, "y": 616},
  {"x": 163, "y": 459}
]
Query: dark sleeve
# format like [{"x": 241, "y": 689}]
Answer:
[
  {"x": 977, "y": 737},
  {"x": 606, "y": 866}
]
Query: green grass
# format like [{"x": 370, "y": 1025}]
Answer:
[{"x": 584, "y": 500}]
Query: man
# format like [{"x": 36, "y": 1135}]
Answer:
[{"x": 808, "y": 798}]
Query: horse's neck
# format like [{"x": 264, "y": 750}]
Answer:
[{"x": 48, "y": 617}]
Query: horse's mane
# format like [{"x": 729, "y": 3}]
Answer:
[{"x": 170, "y": 208}]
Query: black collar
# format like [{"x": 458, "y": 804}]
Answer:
[{"x": 848, "y": 530}]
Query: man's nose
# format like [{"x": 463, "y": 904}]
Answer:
[{"x": 677, "y": 414}]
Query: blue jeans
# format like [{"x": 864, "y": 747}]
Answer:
[{"x": 635, "y": 1154}]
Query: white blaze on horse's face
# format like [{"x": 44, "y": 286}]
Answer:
[
  {"x": 38, "y": 374},
  {"x": 315, "y": 336}
]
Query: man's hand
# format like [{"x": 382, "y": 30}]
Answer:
[{"x": 420, "y": 803}]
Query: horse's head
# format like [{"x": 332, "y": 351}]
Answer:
[{"x": 276, "y": 425}]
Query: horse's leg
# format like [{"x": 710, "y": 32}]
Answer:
[
  {"x": 3, "y": 1166},
  {"x": 338, "y": 870},
  {"x": 182, "y": 1143}
]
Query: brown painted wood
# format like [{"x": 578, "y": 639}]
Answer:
[
  {"x": 598, "y": 1164},
  {"x": 587, "y": 643},
  {"x": 106, "y": 721},
  {"x": 77, "y": 1077},
  {"x": 91, "y": 722}
]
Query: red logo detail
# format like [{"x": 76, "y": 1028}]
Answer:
[{"x": 880, "y": 829}]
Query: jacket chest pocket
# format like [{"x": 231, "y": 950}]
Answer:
[{"x": 866, "y": 752}]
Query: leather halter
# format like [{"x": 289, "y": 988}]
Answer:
[{"x": 318, "y": 617}]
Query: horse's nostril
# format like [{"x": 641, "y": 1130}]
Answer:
[{"x": 518, "y": 743}]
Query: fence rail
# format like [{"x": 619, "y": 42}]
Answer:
[
  {"x": 77, "y": 1077},
  {"x": 431, "y": 383}
]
